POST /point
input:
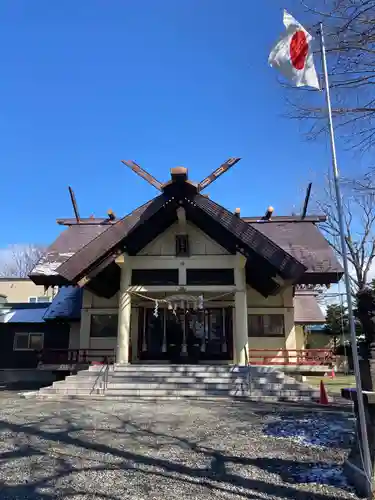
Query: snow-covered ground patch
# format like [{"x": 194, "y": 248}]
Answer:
[
  {"x": 331, "y": 475},
  {"x": 323, "y": 430}
]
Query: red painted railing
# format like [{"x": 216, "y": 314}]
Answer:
[
  {"x": 318, "y": 357},
  {"x": 299, "y": 357},
  {"x": 76, "y": 356}
]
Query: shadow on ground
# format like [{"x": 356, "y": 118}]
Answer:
[{"x": 43, "y": 437}]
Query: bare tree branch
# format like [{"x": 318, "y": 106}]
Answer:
[
  {"x": 358, "y": 198},
  {"x": 19, "y": 260},
  {"x": 350, "y": 46}
]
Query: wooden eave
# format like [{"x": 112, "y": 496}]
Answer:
[{"x": 88, "y": 266}]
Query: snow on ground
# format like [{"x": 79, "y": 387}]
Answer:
[
  {"x": 321, "y": 430},
  {"x": 315, "y": 429},
  {"x": 323, "y": 474}
]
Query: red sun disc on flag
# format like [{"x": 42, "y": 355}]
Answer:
[{"x": 299, "y": 49}]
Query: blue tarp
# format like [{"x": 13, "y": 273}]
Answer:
[{"x": 66, "y": 305}]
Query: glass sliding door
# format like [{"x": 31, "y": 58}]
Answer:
[
  {"x": 212, "y": 329},
  {"x": 201, "y": 335}
]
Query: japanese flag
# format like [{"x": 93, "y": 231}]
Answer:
[{"x": 292, "y": 54}]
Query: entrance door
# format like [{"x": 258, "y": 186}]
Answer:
[
  {"x": 192, "y": 335},
  {"x": 214, "y": 328}
]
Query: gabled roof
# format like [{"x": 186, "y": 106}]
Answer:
[
  {"x": 66, "y": 244},
  {"x": 297, "y": 252},
  {"x": 98, "y": 248},
  {"x": 307, "y": 244},
  {"x": 134, "y": 231},
  {"x": 306, "y": 309}
]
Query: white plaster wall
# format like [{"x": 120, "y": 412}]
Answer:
[
  {"x": 278, "y": 304},
  {"x": 199, "y": 243},
  {"x": 103, "y": 343},
  {"x": 277, "y": 344},
  {"x": 300, "y": 337},
  {"x": 74, "y": 334},
  {"x": 291, "y": 341},
  {"x": 92, "y": 301},
  {"x": 255, "y": 299}
]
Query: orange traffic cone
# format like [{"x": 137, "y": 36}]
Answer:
[{"x": 323, "y": 399}]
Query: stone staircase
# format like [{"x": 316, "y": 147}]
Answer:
[{"x": 261, "y": 383}]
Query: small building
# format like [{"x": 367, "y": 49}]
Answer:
[
  {"x": 20, "y": 290},
  {"x": 183, "y": 278},
  {"x": 25, "y": 333}
]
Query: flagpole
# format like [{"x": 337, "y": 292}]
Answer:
[{"x": 336, "y": 176}]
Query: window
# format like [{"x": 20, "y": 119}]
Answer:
[
  {"x": 103, "y": 325},
  {"x": 209, "y": 277},
  {"x": 43, "y": 298},
  {"x": 28, "y": 341},
  {"x": 182, "y": 245},
  {"x": 265, "y": 325},
  {"x": 155, "y": 277}
]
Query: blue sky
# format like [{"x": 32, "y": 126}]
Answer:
[{"x": 87, "y": 83}]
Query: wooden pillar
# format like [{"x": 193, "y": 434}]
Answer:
[
  {"x": 124, "y": 315},
  {"x": 241, "y": 341}
]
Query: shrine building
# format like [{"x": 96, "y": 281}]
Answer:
[{"x": 183, "y": 279}]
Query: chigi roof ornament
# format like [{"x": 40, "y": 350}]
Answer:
[{"x": 178, "y": 173}]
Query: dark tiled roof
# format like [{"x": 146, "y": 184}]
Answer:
[
  {"x": 103, "y": 243},
  {"x": 250, "y": 235},
  {"x": 287, "y": 218},
  {"x": 66, "y": 244},
  {"x": 305, "y": 242},
  {"x": 77, "y": 248},
  {"x": 66, "y": 305},
  {"x": 306, "y": 309},
  {"x": 99, "y": 248}
]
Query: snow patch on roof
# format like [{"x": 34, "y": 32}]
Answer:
[{"x": 50, "y": 262}]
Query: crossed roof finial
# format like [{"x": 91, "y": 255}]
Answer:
[{"x": 200, "y": 186}]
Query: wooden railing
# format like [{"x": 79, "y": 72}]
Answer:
[
  {"x": 76, "y": 356},
  {"x": 299, "y": 357},
  {"x": 316, "y": 357}
]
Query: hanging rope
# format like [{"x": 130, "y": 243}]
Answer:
[{"x": 197, "y": 302}]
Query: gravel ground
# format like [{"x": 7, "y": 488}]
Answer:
[{"x": 171, "y": 450}]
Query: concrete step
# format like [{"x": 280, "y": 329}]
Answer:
[
  {"x": 155, "y": 392},
  {"x": 181, "y": 375},
  {"x": 137, "y": 398},
  {"x": 87, "y": 388},
  {"x": 81, "y": 383},
  {"x": 180, "y": 368},
  {"x": 265, "y": 377},
  {"x": 69, "y": 390},
  {"x": 170, "y": 385},
  {"x": 88, "y": 375},
  {"x": 177, "y": 381},
  {"x": 171, "y": 378}
]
